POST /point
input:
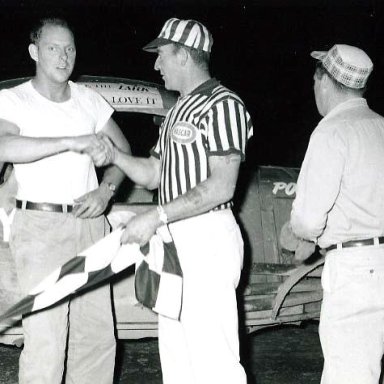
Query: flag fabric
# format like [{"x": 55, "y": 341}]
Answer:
[
  {"x": 103, "y": 260},
  {"x": 158, "y": 277}
]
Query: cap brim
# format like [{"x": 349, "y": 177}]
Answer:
[
  {"x": 154, "y": 44},
  {"x": 318, "y": 55}
]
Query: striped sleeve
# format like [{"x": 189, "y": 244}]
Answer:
[{"x": 229, "y": 127}]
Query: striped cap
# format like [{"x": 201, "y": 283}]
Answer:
[
  {"x": 190, "y": 33},
  {"x": 348, "y": 65}
]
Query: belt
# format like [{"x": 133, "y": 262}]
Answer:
[
  {"x": 46, "y": 207},
  {"x": 357, "y": 243}
]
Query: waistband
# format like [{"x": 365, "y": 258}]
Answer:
[
  {"x": 214, "y": 219},
  {"x": 46, "y": 207},
  {"x": 356, "y": 243}
]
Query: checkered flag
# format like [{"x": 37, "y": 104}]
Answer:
[
  {"x": 159, "y": 278},
  {"x": 103, "y": 260}
]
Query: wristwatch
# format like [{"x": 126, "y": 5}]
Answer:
[
  {"x": 111, "y": 187},
  {"x": 162, "y": 215}
]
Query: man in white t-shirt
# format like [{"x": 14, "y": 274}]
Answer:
[{"x": 50, "y": 129}]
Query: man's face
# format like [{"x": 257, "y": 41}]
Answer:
[
  {"x": 56, "y": 53},
  {"x": 167, "y": 63}
]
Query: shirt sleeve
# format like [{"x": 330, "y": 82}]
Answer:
[
  {"x": 104, "y": 112},
  {"x": 8, "y": 106},
  {"x": 228, "y": 126},
  {"x": 100, "y": 108},
  {"x": 318, "y": 184}
]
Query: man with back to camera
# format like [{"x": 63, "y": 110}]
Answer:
[
  {"x": 49, "y": 128},
  {"x": 339, "y": 205},
  {"x": 195, "y": 166}
]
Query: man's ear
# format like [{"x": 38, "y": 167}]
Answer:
[
  {"x": 183, "y": 55},
  {"x": 33, "y": 52},
  {"x": 326, "y": 82}
]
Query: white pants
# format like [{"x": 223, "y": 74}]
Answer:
[
  {"x": 203, "y": 347},
  {"x": 352, "y": 315}
]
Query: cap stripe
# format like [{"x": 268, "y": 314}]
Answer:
[
  {"x": 166, "y": 29},
  {"x": 207, "y": 43},
  {"x": 203, "y": 44},
  {"x": 192, "y": 38},
  {"x": 183, "y": 30},
  {"x": 187, "y": 32},
  {"x": 171, "y": 29}
]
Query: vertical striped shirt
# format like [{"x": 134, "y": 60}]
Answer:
[{"x": 210, "y": 121}]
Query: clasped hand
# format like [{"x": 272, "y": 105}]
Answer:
[{"x": 99, "y": 147}]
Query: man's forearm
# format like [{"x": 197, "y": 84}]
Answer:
[
  {"x": 19, "y": 149},
  {"x": 22, "y": 149},
  {"x": 217, "y": 189},
  {"x": 201, "y": 199},
  {"x": 113, "y": 175},
  {"x": 142, "y": 171}
]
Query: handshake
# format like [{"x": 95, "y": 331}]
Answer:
[{"x": 99, "y": 147}]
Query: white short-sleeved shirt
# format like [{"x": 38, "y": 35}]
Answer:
[
  {"x": 66, "y": 176},
  {"x": 340, "y": 190}
]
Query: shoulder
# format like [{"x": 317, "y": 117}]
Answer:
[
  {"x": 83, "y": 90},
  {"x": 223, "y": 99},
  {"x": 346, "y": 121},
  {"x": 328, "y": 129},
  {"x": 18, "y": 92},
  {"x": 88, "y": 96},
  {"x": 12, "y": 100},
  {"x": 330, "y": 135},
  {"x": 221, "y": 93}
]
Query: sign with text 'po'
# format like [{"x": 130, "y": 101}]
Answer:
[{"x": 283, "y": 189}]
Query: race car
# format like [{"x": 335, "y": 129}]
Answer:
[{"x": 273, "y": 290}]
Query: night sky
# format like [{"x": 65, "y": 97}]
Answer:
[{"x": 261, "y": 51}]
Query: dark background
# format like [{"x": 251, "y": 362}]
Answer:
[{"x": 261, "y": 51}]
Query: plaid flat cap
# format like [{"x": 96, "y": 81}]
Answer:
[
  {"x": 190, "y": 33},
  {"x": 348, "y": 65}
]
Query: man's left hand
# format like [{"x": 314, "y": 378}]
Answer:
[{"x": 92, "y": 204}]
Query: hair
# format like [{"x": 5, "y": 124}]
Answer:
[
  {"x": 200, "y": 57},
  {"x": 36, "y": 31},
  {"x": 321, "y": 71}
]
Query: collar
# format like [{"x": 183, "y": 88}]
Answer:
[
  {"x": 349, "y": 104},
  {"x": 205, "y": 87}
]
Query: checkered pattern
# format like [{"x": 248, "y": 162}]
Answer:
[
  {"x": 158, "y": 278},
  {"x": 348, "y": 65},
  {"x": 190, "y": 33},
  {"x": 100, "y": 262}
]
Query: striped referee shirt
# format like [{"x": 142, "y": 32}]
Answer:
[{"x": 210, "y": 121}]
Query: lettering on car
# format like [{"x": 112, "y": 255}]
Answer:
[{"x": 289, "y": 189}]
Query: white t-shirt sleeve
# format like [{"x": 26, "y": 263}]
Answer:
[
  {"x": 9, "y": 106},
  {"x": 99, "y": 107}
]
